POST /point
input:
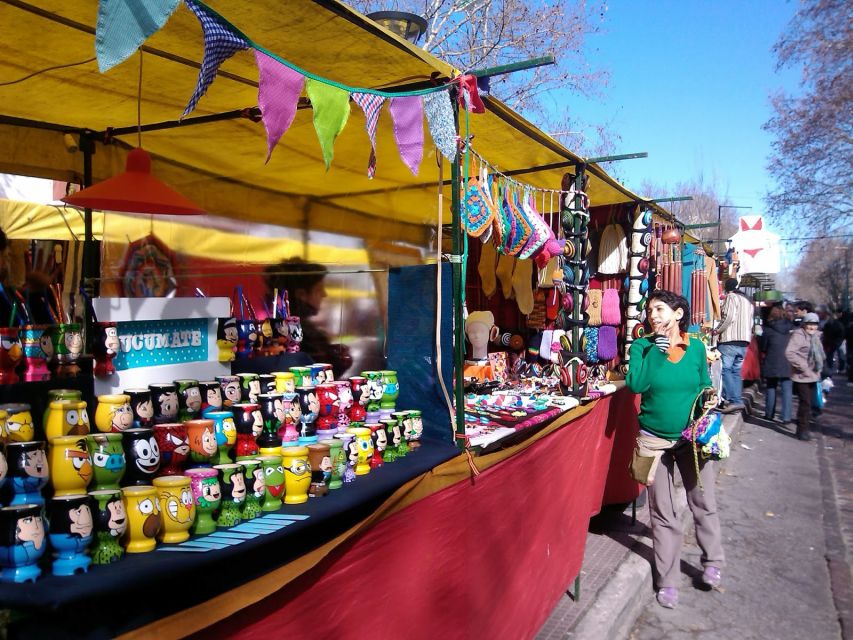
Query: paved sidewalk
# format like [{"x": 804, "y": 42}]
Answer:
[{"x": 616, "y": 573}]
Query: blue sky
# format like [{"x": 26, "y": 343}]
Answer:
[{"x": 689, "y": 84}]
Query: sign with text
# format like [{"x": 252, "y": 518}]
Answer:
[{"x": 161, "y": 342}]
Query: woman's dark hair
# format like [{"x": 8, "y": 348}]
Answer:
[
  {"x": 674, "y": 302},
  {"x": 293, "y": 274},
  {"x": 776, "y": 313}
]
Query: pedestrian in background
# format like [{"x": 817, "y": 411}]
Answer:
[
  {"x": 670, "y": 369},
  {"x": 775, "y": 367},
  {"x": 801, "y": 308},
  {"x": 833, "y": 337},
  {"x": 735, "y": 332},
  {"x": 806, "y": 357}
]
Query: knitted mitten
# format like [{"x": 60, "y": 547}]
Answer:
[
  {"x": 486, "y": 268},
  {"x": 522, "y": 285},
  {"x": 506, "y": 264}
]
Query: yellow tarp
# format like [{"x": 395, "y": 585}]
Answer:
[
  {"x": 191, "y": 237},
  {"x": 220, "y": 164}
]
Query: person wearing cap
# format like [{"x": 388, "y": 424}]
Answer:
[
  {"x": 735, "y": 333},
  {"x": 805, "y": 354}
]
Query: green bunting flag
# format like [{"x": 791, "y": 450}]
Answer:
[{"x": 331, "y": 110}]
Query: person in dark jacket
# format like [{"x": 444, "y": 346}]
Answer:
[{"x": 775, "y": 367}]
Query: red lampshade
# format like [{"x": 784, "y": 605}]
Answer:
[{"x": 134, "y": 191}]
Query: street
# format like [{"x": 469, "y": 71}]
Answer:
[{"x": 786, "y": 509}]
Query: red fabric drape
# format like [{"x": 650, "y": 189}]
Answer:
[{"x": 484, "y": 558}]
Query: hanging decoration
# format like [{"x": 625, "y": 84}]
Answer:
[
  {"x": 331, "y": 112},
  {"x": 220, "y": 43},
  {"x": 149, "y": 269},
  {"x": 439, "y": 114},
  {"x": 371, "y": 104},
  {"x": 123, "y": 26},
  {"x": 279, "y": 88},
  {"x": 280, "y": 81},
  {"x": 408, "y": 116}
]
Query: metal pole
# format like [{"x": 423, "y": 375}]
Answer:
[
  {"x": 458, "y": 287},
  {"x": 91, "y": 249}
]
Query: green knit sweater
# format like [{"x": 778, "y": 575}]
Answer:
[{"x": 668, "y": 388}]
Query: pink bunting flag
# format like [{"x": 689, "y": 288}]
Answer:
[
  {"x": 371, "y": 104},
  {"x": 408, "y": 116},
  {"x": 279, "y": 88}
]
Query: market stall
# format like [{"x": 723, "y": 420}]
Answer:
[{"x": 215, "y": 156}]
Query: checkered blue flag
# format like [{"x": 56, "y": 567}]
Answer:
[
  {"x": 219, "y": 45},
  {"x": 371, "y": 104}
]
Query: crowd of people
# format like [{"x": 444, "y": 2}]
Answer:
[{"x": 801, "y": 346}]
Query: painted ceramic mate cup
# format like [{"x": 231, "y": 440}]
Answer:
[
  {"x": 337, "y": 460},
  {"x": 35, "y": 358},
  {"x": 67, "y": 418},
  {"x": 230, "y": 386},
  {"x": 285, "y": 381},
  {"x": 211, "y": 395},
  {"x": 59, "y": 394},
  {"x": 207, "y": 495},
  {"x": 71, "y": 529},
  {"x": 177, "y": 508},
  {"x": 174, "y": 446},
  {"x": 19, "y": 422},
  {"x": 164, "y": 399},
  {"x": 110, "y": 526},
  {"x": 365, "y": 450},
  {"x": 249, "y": 423},
  {"x": 142, "y": 454},
  {"x": 273, "y": 482},
  {"x": 226, "y": 435},
  {"x": 253, "y": 477},
  {"x": 22, "y": 542},
  {"x": 189, "y": 399},
  {"x": 11, "y": 353},
  {"x": 69, "y": 465},
  {"x": 143, "y": 518},
  {"x": 113, "y": 413},
  {"x": 108, "y": 460},
  {"x": 28, "y": 471},
  {"x": 297, "y": 474},
  {"x": 141, "y": 406},
  {"x": 233, "y": 485},
  {"x": 321, "y": 469},
  {"x": 202, "y": 437}
]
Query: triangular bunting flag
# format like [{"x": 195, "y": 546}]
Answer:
[
  {"x": 439, "y": 114},
  {"x": 371, "y": 104},
  {"x": 219, "y": 44},
  {"x": 123, "y": 25},
  {"x": 331, "y": 111},
  {"x": 279, "y": 87},
  {"x": 408, "y": 116}
]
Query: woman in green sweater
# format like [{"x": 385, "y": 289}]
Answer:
[{"x": 669, "y": 369}]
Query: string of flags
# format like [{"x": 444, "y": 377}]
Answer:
[{"x": 123, "y": 27}]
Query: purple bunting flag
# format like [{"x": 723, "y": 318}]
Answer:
[
  {"x": 371, "y": 104},
  {"x": 220, "y": 44},
  {"x": 123, "y": 26},
  {"x": 440, "y": 119},
  {"x": 408, "y": 116},
  {"x": 279, "y": 88}
]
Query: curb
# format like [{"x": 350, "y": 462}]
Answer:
[{"x": 619, "y": 603}]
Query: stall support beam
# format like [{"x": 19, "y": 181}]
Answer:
[
  {"x": 577, "y": 225},
  {"x": 458, "y": 286},
  {"x": 91, "y": 249}
]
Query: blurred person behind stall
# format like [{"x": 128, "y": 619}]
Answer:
[
  {"x": 775, "y": 368},
  {"x": 735, "y": 334},
  {"x": 801, "y": 308},
  {"x": 833, "y": 338}
]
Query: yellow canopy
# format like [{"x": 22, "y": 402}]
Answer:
[{"x": 220, "y": 164}]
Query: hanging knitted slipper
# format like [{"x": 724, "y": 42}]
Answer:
[
  {"x": 485, "y": 212},
  {"x": 509, "y": 221},
  {"x": 499, "y": 227},
  {"x": 475, "y": 216},
  {"x": 541, "y": 230},
  {"x": 523, "y": 227}
]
